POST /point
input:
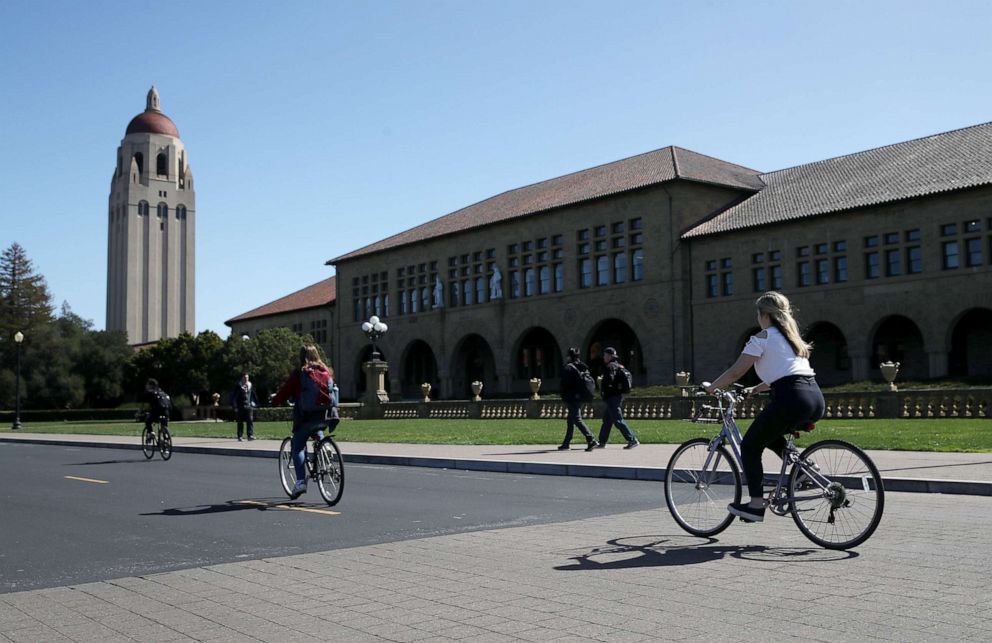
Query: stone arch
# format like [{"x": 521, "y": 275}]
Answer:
[
  {"x": 830, "y": 359},
  {"x": 618, "y": 334},
  {"x": 419, "y": 366},
  {"x": 898, "y": 339},
  {"x": 363, "y": 356},
  {"x": 473, "y": 360},
  {"x": 537, "y": 355},
  {"x": 971, "y": 336}
]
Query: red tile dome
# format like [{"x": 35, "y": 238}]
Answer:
[{"x": 152, "y": 122}]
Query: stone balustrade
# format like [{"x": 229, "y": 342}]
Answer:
[{"x": 963, "y": 403}]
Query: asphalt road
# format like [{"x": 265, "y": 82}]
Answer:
[{"x": 70, "y": 515}]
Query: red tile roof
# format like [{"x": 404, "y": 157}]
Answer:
[
  {"x": 321, "y": 293},
  {"x": 652, "y": 168}
]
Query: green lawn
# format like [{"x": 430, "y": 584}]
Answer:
[{"x": 962, "y": 435}]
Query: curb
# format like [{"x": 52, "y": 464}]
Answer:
[{"x": 654, "y": 474}]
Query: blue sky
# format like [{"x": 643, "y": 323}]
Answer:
[{"x": 314, "y": 128}]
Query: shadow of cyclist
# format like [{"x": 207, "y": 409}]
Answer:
[
  {"x": 260, "y": 504},
  {"x": 667, "y": 551}
]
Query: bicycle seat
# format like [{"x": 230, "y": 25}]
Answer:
[{"x": 806, "y": 428}]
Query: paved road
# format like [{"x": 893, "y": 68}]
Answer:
[{"x": 154, "y": 516}]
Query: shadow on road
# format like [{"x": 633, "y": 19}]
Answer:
[
  {"x": 524, "y": 452},
  {"x": 134, "y": 461},
  {"x": 260, "y": 504},
  {"x": 666, "y": 551}
]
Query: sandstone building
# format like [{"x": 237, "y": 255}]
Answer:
[{"x": 151, "y": 231}]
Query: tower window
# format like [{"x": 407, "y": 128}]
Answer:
[
  {"x": 162, "y": 165},
  {"x": 180, "y": 211},
  {"x": 142, "y": 208},
  {"x": 139, "y": 158},
  {"x": 162, "y": 211}
]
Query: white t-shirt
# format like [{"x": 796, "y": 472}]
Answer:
[{"x": 776, "y": 359}]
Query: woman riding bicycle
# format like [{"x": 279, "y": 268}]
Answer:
[
  {"x": 310, "y": 388},
  {"x": 781, "y": 359}
]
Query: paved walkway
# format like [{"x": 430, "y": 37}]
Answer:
[{"x": 911, "y": 471}]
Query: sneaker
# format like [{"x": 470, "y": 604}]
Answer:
[
  {"x": 633, "y": 443},
  {"x": 239, "y": 439},
  {"x": 600, "y": 445},
  {"x": 564, "y": 447},
  {"x": 251, "y": 437},
  {"x": 592, "y": 445},
  {"x": 299, "y": 489},
  {"x": 746, "y": 512}
]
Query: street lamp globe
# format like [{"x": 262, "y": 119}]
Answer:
[{"x": 18, "y": 337}]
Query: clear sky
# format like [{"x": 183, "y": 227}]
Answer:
[{"x": 316, "y": 127}]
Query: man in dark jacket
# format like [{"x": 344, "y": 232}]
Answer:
[
  {"x": 244, "y": 401},
  {"x": 159, "y": 404},
  {"x": 573, "y": 394},
  {"x": 612, "y": 390}
]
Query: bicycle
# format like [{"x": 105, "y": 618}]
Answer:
[
  {"x": 162, "y": 442},
  {"x": 833, "y": 490},
  {"x": 324, "y": 465}
]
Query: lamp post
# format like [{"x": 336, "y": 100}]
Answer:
[
  {"x": 244, "y": 353},
  {"x": 18, "y": 338},
  {"x": 374, "y": 329}
]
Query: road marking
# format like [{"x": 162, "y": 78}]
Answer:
[
  {"x": 327, "y": 512},
  {"x": 87, "y": 480}
]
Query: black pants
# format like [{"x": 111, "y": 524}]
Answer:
[
  {"x": 796, "y": 401},
  {"x": 574, "y": 419},
  {"x": 245, "y": 417},
  {"x": 163, "y": 420}
]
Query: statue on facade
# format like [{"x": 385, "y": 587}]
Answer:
[
  {"x": 495, "y": 284},
  {"x": 438, "y": 293}
]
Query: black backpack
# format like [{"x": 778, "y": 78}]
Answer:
[
  {"x": 623, "y": 381},
  {"x": 162, "y": 400},
  {"x": 588, "y": 389}
]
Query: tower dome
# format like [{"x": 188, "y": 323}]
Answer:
[{"x": 152, "y": 120}]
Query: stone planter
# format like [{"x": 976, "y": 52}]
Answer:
[
  {"x": 535, "y": 386},
  {"x": 682, "y": 381},
  {"x": 477, "y": 391},
  {"x": 889, "y": 372},
  {"x": 425, "y": 389}
]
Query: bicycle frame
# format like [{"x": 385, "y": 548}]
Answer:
[{"x": 730, "y": 434}]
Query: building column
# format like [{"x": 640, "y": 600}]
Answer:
[{"x": 859, "y": 365}]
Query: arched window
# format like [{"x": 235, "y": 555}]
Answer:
[
  {"x": 162, "y": 164},
  {"x": 139, "y": 158},
  {"x": 142, "y": 208},
  {"x": 162, "y": 211},
  {"x": 180, "y": 211}
]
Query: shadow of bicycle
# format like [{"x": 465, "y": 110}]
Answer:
[
  {"x": 256, "y": 504},
  {"x": 632, "y": 552}
]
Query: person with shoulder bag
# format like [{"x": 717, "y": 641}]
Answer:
[
  {"x": 575, "y": 389},
  {"x": 616, "y": 382},
  {"x": 244, "y": 401}
]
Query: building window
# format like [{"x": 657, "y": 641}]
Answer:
[
  {"x": 914, "y": 260},
  {"x": 637, "y": 265},
  {"x": 602, "y": 271},
  {"x": 727, "y": 278},
  {"x": 758, "y": 279},
  {"x": 802, "y": 274},
  {"x": 544, "y": 280},
  {"x": 776, "y": 273},
  {"x": 585, "y": 273},
  {"x": 529, "y": 282},
  {"x": 973, "y": 252},
  {"x": 467, "y": 292},
  {"x": 822, "y": 271},
  {"x": 951, "y": 256},
  {"x": 872, "y": 270},
  {"x": 893, "y": 263},
  {"x": 142, "y": 208},
  {"x": 840, "y": 269},
  {"x": 162, "y": 165},
  {"x": 619, "y": 268},
  {"x": 514, "y": 284},
  {"x": 480, "y": 290},
  {"x": 559, "y": 277}
]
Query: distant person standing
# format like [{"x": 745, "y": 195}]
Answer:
[
  {"x": 616, "y": 382},
  {"x": 574, "y": 391},
  {"x": 244, "y": 402}
]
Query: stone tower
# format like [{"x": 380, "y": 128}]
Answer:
[{"x": 151, "y": 231}]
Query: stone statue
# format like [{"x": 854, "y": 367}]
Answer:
[
  {"x": 495, "y": 284},
  {"x": 438, "y": 293}
]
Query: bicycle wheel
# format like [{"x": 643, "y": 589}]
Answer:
[
  {"x": 329, "y": 470},
  {"x": 287, "y": 472},
  {"x": 165, "y": 443},
  {"x": 847, "y": 512},
  {"x": 148, "y": 443},
  {"x": 696, "y": 498}
]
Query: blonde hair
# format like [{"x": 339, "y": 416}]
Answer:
[
  {"x": 310, "y": 357},
  {"x": 779, "y": 310}
]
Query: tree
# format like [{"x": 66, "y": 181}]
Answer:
[{"x": 27, "y": 305}]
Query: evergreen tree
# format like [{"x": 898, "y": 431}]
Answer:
[{"x": 27, "y": 305}]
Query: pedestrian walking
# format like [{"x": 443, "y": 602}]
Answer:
[
  {"x": 244, "y": 402},
  {"x": 575, "y": 390},
  {"x": 616, "y": 382}
]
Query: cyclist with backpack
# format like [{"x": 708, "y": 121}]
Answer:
[
  {"x": 617, "y": 380},
  {"x": 311, "y": 388},
  {"x": 577, "y": 386},
  {"x": 159, "y": 404}
]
